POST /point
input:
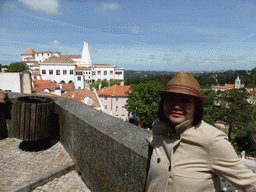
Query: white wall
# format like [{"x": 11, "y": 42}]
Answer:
[
  {"x": 57, "y": 78},
  {"x": 120, "y": 75},
  {"x": 10, "y": 82}
]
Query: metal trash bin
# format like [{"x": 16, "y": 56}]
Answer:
[{"x": 33, "y": 114}]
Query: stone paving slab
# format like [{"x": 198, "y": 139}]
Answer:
[
  {"x": 71, "y": 182},
  {"x": 18, "y": 166}
]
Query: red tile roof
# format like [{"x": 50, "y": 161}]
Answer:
[
  {"x": 29, "y": 52},
  {"x": 116, "y": 90},
  {"x": 70, "y": 56},
  {"x": 44, "y": 93},
  {"x": 100, "y": 65},
  {"x": 80, "y": 94},
  {"x": 82, "y": 68},
  {"x": 250, "y": 90},
  {"x": 40, "y": 85},
  {"x": 225, "y": 87},
  {"x": 58, "y": 60}
]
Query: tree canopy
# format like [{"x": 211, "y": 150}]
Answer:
[
  {"x": 143, "y": 101},
  {"x": 115, "y": 82},
  {"x": 17, "y": 67}
]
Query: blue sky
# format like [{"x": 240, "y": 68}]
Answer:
[{"x": 164, "y": 35}]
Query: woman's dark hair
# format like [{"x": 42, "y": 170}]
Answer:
[{"x": 198, "y": 113}]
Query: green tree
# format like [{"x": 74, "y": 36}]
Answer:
[
  {"x": 143, "y": 101},
  {"x": 104, "y": 83},
  {"x": 208, "y": 105},
  {"x": 250, "y": 85},
  {"x": 115, "y": 82},
  {"x": 94, "y": 85},
  {"x": 234, "y": 110},
  {"x": 17, "y": 67}
]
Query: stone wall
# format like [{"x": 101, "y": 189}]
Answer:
[{"x": 110, "y": 154}]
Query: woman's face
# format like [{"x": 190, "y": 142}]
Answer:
[{"x": 179, "y": 107}]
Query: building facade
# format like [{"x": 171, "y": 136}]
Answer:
[
  {"x": 237, "y": 85},
  {"x": 113, "y": 100},
  {"x": 77, "y": 69}
]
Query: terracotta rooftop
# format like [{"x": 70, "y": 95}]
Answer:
[
  {"x": 29, "y": 52},
  {"x": 250, "y": 91},
  {"x": 40, "y": 85},
  {"x": 82, "y": 68},
  {"x": 225, "y": 86},
  {"x": 58, "y": 60},
  {"x": 101, "y": 65},
  {"x": 116, "y": 90},
  {"x": 70, "y": 56},
  {"x": 80, "y": 94},
  {"x": 44, "y": 93}
]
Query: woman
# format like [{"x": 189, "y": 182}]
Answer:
[{"x": 189, "y": 155}]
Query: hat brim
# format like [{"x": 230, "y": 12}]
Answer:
[{"x": 178, "y": 91}]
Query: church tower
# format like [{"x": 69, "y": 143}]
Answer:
[
  {"x": 86, "y": 59},
  {"x": 237, "y": 83}
]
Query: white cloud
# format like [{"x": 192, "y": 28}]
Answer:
[
  {"x": 49, "y": 7},
  {"x": 55, "y": 43},
  {"x": 135, "y": 29},
  {"x": 107, "y": 6}
]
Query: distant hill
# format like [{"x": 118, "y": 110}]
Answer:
[{"x": 131, "y": 73}]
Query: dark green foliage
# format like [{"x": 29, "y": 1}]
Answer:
[
  {"x": 17, "y": 67},
  {"x": 104, "y": 83},
  {"x": 234, "y": 111},
  {"x": 95, "y": 85},
  {"x": 115, "y": 82},
  {"x": 143, "y": 101},
  {"x": 208, "y": 105},
  {"x": 160, "y": 78}
]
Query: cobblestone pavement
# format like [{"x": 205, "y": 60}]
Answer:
[
  {"x": 71, "y": 182},
  {"x": 18, "y": 166}
]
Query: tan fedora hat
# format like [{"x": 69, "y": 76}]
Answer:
[{"x": 184, "y": 83}]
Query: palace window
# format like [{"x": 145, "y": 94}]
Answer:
[
  {"x": 50, "y": 72},
  {"x": 106, "y": 107},
  {"x": 99, "y": 72},
  {"x": 116, "y": 99},
  {"x": 78, "y": 78},
  {"x": 64, "y": 72},
  {"x": 43, "y": 71},
  {"x": 71, "y": 72},
  {"x": 116, "y": 108},
  {"x": 106, "y": 98},
  {"x": 111, "y": 72},
  {"x": 93, "y": 72},
  {"x": 118, "y": 72},
  {"x": 57, "y": 72},
  {"x": 105, "y": 72},
  {"x": 79, "y": 73}
]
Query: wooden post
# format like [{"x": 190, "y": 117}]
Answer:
[{"x": 32, "y": 117}]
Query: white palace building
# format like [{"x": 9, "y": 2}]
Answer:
[{"x": 77, "y": 69}]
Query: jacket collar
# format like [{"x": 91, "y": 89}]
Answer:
[
  {"x": 184, "y": 126},
  {"x": 165, "y": 129}
]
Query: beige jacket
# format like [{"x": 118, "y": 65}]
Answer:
[{"x": 193, "y": 159}]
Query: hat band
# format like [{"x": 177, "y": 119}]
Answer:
[{"x": 191, "y": 89}]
